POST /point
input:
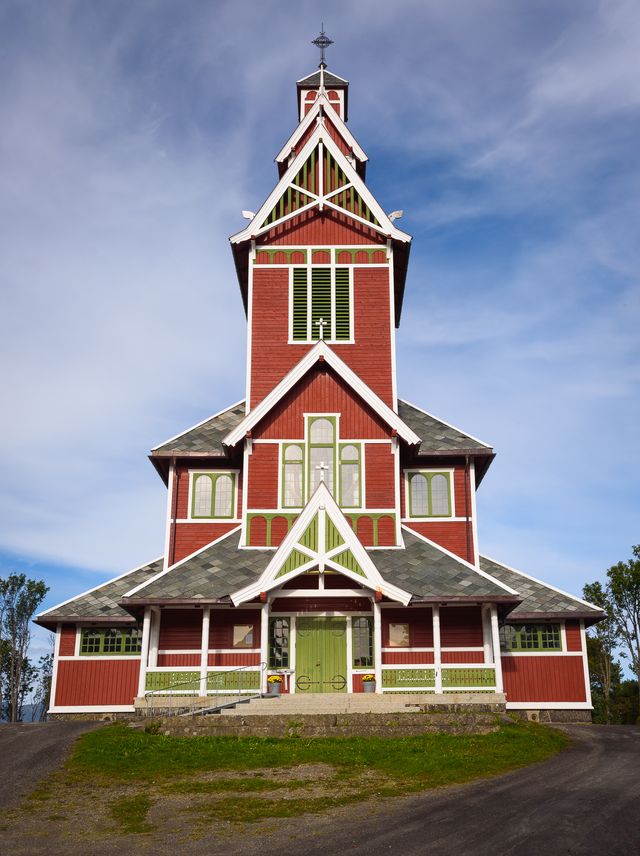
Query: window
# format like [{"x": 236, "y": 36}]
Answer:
[
  {"x": 112, "y": 641},
  {"x": 321, "y": 301},
  {"x": 279, "y": 643},
  {"x": 530, "y": 637},
  {"x": 292, "y": 476},
  {"x": 362, "y": 629},
  {"x": 398, "y": 635},
  {"x": 243, "y": 635},
  {"x": 430, "y": 494},
  {"x": 322, "y": 451},
  {"x": 212, "y": 495},
  {"x": 350, "y": 476}
]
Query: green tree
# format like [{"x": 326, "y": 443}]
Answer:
[
  {"x": 601, "y": 645},
  {"x": 42, "y": 693},
  {"x": 19, "y": 600}
]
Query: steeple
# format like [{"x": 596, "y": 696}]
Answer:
[{"x": 335, "y": 88}]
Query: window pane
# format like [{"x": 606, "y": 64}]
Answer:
[
  {"x": 90, "y": 642},
  {"x": 321, "y": 456},
  {"x": 243, "y": 635},
  {"x": 350, "y": 485},
  {"x": 112, "y": 641},
  {"x": 350, "y": 453},
  {"x": 279, "y": 643},
  {"x": 362, "y": 643},
  {"x": 293, "y": 485},
  {"x": 321, "y": 431},
  {"x": 133, "y": 641},
  {"x": 419, "y": 495},
  {"x": 224, "y": 497},
  {"x": 293, "y": 453},
  {"x": 202, "y": 490},
  {"x": 439, "y": 494},
  {"x": 398, "y": 635}
]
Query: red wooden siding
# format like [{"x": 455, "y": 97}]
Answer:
[
  {"x": 328, "y": 228},
  {"x": 322, "y": 391},
  {"x": 380, "y": 477},
  {"x": 452, "y": 536},
  {"x": 190, "y": 537},
  {"x": 420, "y": 626},
  {"x": 178, "y": 659},
  {"x": 180, "y": 629},
  {"x": 320, "y": 604},
  {"x": 182, "y": 476},
  {"x": 386, "y": 532},
  {"x": 463, "y": 657},
  {"x": 543, "y": 679},
  {"x": 335, "y": 135},
  {"x": 240, "y": 658},
  {"x": 399, "y": 657},
  {"x": 67, "y": 640},
  {"x": 358, "y": 685},
  {"x": 262, "y": 490},
  {"x": 221, "y": 627},
  {"x": 461, "y": 626},
  {"x": 95, "y": 681},
  {"x": 574, "y": 637}
]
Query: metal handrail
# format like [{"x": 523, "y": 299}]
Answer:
[{"x": 194, "y": 697}]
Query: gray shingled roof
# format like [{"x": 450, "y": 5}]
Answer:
[
  {"x": 211, "y": 574},
  {"x": 428, "y": 572},
  {"x": 330, "y": 79},
  {"x": 103, "y": 602},
  {"x": 207, "y": 437},
  {"x": 436, "y": 436},
  {"x": 537, "y": 598}
]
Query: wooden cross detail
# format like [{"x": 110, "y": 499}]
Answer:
[
  {"x": 322, "y": 467},
  {"x": 321, "y": 324}
]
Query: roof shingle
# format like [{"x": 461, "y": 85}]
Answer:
[
  {"x": 206, "y": 437},
  {"x": 436, "y": 436}
]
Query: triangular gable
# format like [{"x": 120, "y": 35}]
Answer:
[
  {"x": 321, "y": 175},
  {"x": 309, "y": 119},
  {"x": 321, "y": 351},
  {"x": 320, "y": 538}
]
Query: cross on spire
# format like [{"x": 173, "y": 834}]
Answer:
[
  {"x": 322, "y": 42},
  {"x": 322, "y": 467},
  {"x": 321, "y": 324}
]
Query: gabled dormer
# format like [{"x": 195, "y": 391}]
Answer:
[{"x": 326, "y": 82}]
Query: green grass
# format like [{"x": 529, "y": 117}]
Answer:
[{"x": 131, "y": 813}]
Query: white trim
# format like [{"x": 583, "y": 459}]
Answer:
[
  {"x": 377, "y": 645},
  {"x": 56, "y": 660},
  {"x": 138, "y": 588},
  {"x": 437, "y": 648},
  {"x": 204, "y": 650},
  {"x": 249, "y": 362},
  {"x": 392, "y": 325},
  {"x": 71, "y": 619},
  {"x": 495, "y": 640},
  {"x": 169, "y": 522},
  {"x": 217, "y": 521},
  {"x": 461, "y": 560},
  {"x": 321, "y": 349},
  {"x": 314, "y": 593},
  {"x": 585, "y": 664},
  {"x": 167, "y": 652},
  {"x": 264, "y": 645},
  {"x": 545, "y": 585},
  {"x": 93, "y": 708},
  {"x": 541, "y": 653},
  {"x": 349, "y": 632},
  {"x": 474, "y": 513},
  {"x": 154, "y": 638},
  {"x": 101, "y": 658},
  {"x": 448, "y": 424},
  {"x": 548, "y": 705},
  {"x": 193, "y": 427},
  {"x": 306, "y": 121},
  {"x": 77, "y": 641},
  {"x": 144, "y": 653}
]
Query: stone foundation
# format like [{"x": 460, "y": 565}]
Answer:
[{"x": 536, "y": 715}]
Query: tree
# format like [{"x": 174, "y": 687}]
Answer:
[
  {"x": 19, "y": 600},
  {"x": 42, "y": 694},
  {"x": 601, "y": 645}
]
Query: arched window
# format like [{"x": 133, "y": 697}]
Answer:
[
  {"x": 322, "y": 452},
  {"x": 202, "y": 493},
  {"x": 223, "y": 504},
  {"x": 430, "y": 494},
  {"x": 350, "y": 476},
  {"x": 439, "y": 494},
  {"x": 419, "y": 498},
  {"x": 293, "y": 476},
  {"x": 213, "y": 495}
]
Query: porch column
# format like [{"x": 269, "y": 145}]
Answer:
[
  {"x": 144, "y": 653},
  {"x": 204, "y": 650},
  {"x": 486, "y": 633},
  {"x": 264, "y": 646},
  {"x": 377, "y": 644},
  {"x": 154, "y": 637},
  {"x": 495, "y": 639},
  {"x": 437, "y": 649}
]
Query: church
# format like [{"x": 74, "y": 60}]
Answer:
[{"x": 321, "y": 533}]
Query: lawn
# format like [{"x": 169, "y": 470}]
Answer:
[{"x": 129, "y": 782}]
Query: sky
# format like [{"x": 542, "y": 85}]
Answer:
[{"x": 132, "y": 136}]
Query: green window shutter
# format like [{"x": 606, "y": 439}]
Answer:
[
  {"x": 321, "y": 302},
  {"x": 299, "y": 303},
  {"x": 343, "y": 307}
]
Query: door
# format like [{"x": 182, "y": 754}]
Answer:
[{"x": 321, "y": 655}]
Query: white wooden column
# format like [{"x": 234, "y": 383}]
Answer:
[
  {"x": 486, "y": 634},
  {"x": 292, "y": 654},
  {"x": 377, "y": 644},
  {"x": 154, "y": 636},
  {"x": 204, "y": 649},
  {"x": 437, "y": 649},
  {"x": 144, "y": 653},
  {"x": 264, "y": 645},
  {"x": 495, "y": 639}
]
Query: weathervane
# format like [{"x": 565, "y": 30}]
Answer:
[{"x": 323, "y": 41}]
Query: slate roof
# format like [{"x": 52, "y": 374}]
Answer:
[
  {"x": 330, "y": 79},
  {"x": 206, "y": 437},
  {"x": 211, "y": 574},
  {"x": 429, "y": 573},
  {"x": 437, "y": 436},
  {"x": 537, "y": 598},
  {"x": 102, "y": 602}
]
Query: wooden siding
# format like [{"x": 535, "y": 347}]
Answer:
[
  {"x": 320, "y": 604},
  {"x": 180, "y": 629},
  {"x": 262, "y": 488},
  {"x": 462, "y": 656},
  {"x": 94, "y": 681},
  {"x": 190, "y": 537},
  {"x": 221, "y": 625},
  {"x": 237, "y": 658},
  {"x": 420, "y": 626},
  {"x": 461, "y": 626},
  {"x": 400, "y": 657},
  {"x": 451, "y": 535},
  {"x": 335, "y": 135},
  {"x": 178, "y": 659},
  {"x": 574, "y": 637},
  {"x": 326, "y": 228},
  {"x": 380, "y": 478},
  {"x": 67, "y": 640},
  {"x": 543, "y": 679}
]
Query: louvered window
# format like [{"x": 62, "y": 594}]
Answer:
[{"x": 321, "y": 304}]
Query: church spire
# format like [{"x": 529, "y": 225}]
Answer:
[
  {"x": 322, "y": 42},
  {"x": 322, "y": 82}
]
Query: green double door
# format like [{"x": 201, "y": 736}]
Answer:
[{"x": 321, "y": 655}]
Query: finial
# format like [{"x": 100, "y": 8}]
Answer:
[{"x": 322, "y": 42}]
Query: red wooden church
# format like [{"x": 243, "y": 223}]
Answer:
[{"x": 322, "y": 529}]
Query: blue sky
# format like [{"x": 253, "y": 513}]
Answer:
[{"x": 134, "y": 133}]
